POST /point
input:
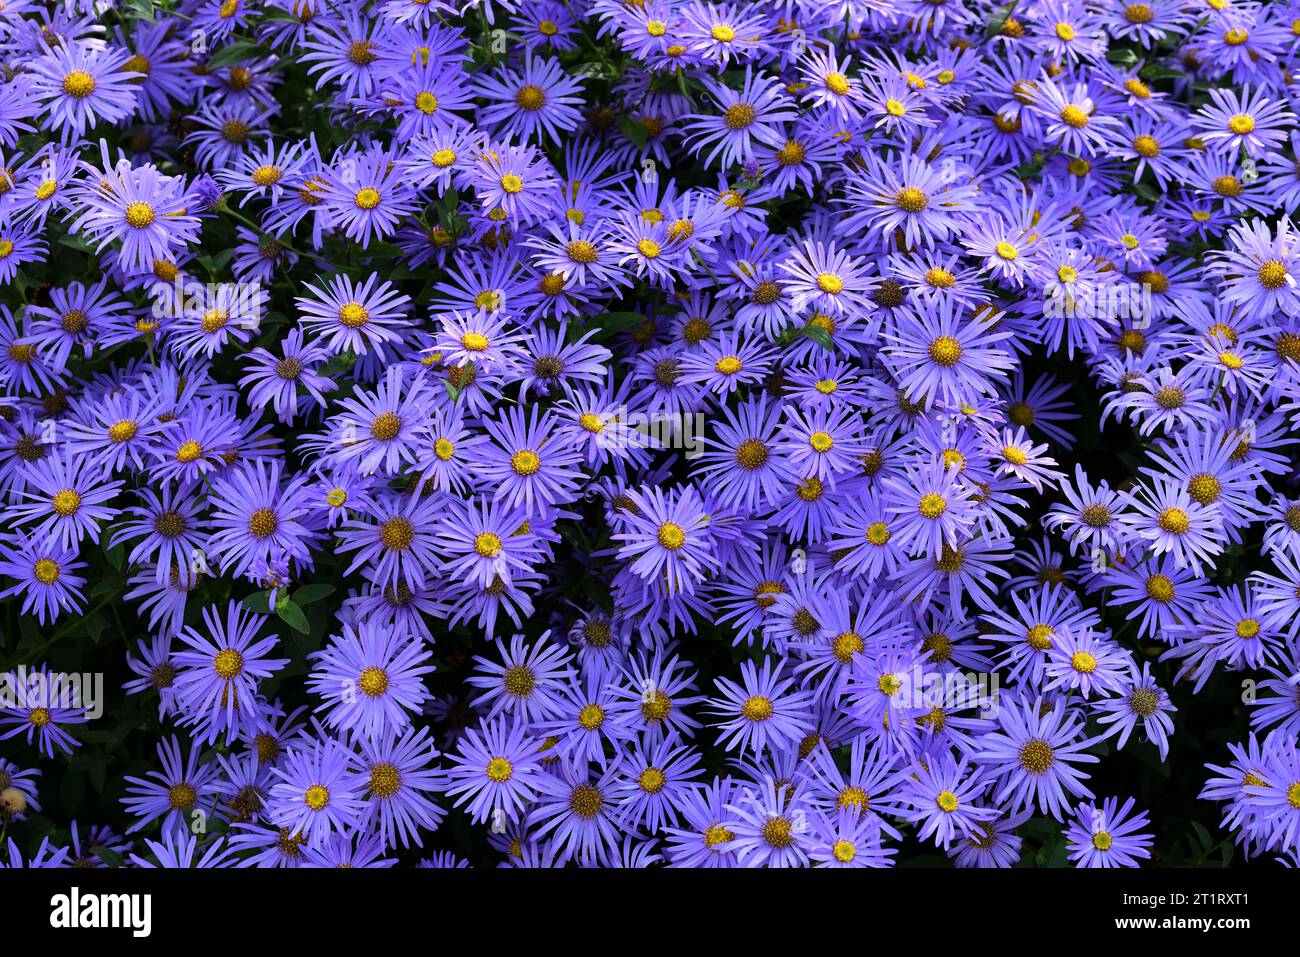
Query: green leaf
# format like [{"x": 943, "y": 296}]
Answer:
[
  {"x": 108, "y": 856},
  {"x": 233, "y": 53},
  {"x": 1203, "y": 836},
  {"x": 612, "y": 323},
  {"x": 73, "y": 241},
  {"x": 307, "y": 594},
  {"x": 277, "y": 15},
  {"x": 819, "y": 335},
  {"x": 292, "y": 615},
  {"x": 633, "y": 130},
  {"x": 998, "y": 18},
  {"x": 259, "y": 602},
  {"x": 1157, "y": 72}
]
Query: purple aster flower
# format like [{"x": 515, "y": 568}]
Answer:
[
  {"x": 536, "y": 103},
  {"x": 942, "y": 797},
  {"x": 1108, "y": 836},
  {"x": 754, "y": 114},
  {"x": 351, "y": 316},
  {"x": 1032, "y": 757},
  {"x": 255, "y": 517},
  {"x": 371, "y": 680},
  {"x": 527, "y": 465},
  {"x": 398, "y": 775},
  {"x": 218, "y": 675},
  {"x": 765, "y": 709},
  {"x": 45, "y": 574},
  {"x": 1139, "y": 701},
  {"x": 529, "y": 681},
  {"x": 81, "y": 85},
  {"x": 181, "y": 788},
  {"x": 315, "y": 796},
  {"x": 496, "y": 771}
]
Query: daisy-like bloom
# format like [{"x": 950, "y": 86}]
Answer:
[
  {"x": 1167, "y": 517},
  {"x": 370, "y": 679},
  {"x": 275, "y": 380},
  {"x": 513, "y": 184},
  {"x": 482, "y": 338},
  {"x": 67, "y": 500},
  {"x": 653, "y": 693},
  {"x": 81, "y": 85},
  {"x": 398, "y": 774},
  {"x": 73, "y": 319},
  {"x": 45, "y": 574},
  {"x": 1146, "y": 21},
  {"x": 344, "y": 51},
  {"x": 1033, "y": 754},
  {"x": 752, "y": 115},
  {"x": 1168, "y": 400},
  {"x": 930, "y": 506},
  {"x": 847, "y": 839},
  {"x": 528, "y": 465},
  {"x": 1139, "y": 701},
  {"x": 770, "y": 824},
  {"x": 254, "y": 517},
  {"x": 181, "y": 849},
  {"x": 217, "y": 676},
  {"x": 657, "y": 779},
  {"x": 578, "y": 810},
  {"x": 1165, "y": 594},
  {"x": 1080, "y": 660},
  {"x": 526, "y": 685},
  {"x": 1236, "y": 121},
  {"x": 1090, "y": 519},
  {"x": 938, "y": 352},
  {"x": 942, "y": 795},
  {"x": 168, "y": 530},
  {"x": 354, "y": 316},
  {"x": 1108, "y": 835},
  {"x": 267, "y": 172},
  {"x": 1026, "y": 461},
  {"x": 368, "y": 197},
  {"x": 823, "y": 444},
  {"x": 395, "y": 540},
  {"x": 384, "y": 430},
  {"x": 719, "y": 32},
  {"x": 1260, "y": 272},
  {"x": 862, "y": 538},
  {"x": 39, "y": 706},
  {"x": 536, "y": 103},
  {"x": 1229, "y": 629},
  {"x": 764, "y": 709},
  {"x": 19, "y": 244},
  {"x": 1066, "y": 30},
  {"x": 223, "y": 132},
  {"x": 144, "y": 210},
  {"x": 828, "y": 83},
  {"x": 486, "y": 542},
  {"x": 424, "y": 99},
  {"x": 496, "y": 771},
  {"x": 585, "y": 731},
  {"x": 314, "y": 796},
  {"x": 1072, "y": 118},
  {"x": 667, "y": 537},
  {"x": 826, "y": 280},
  {"x": 743, "y": 463},
  {"x": 994, "y": 843},
  {"x": 182, "y": 787}
]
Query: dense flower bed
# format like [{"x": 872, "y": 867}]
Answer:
[{"x": 642, "y": 432}]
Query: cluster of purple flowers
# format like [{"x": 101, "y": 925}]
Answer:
[{"x": 596, "y": 333}]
